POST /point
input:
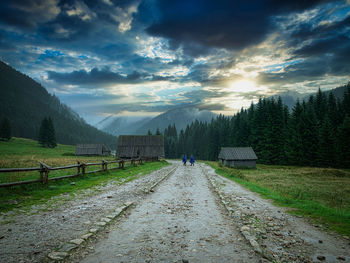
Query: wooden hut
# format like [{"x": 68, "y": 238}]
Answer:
[
  {"x": 92, "y": 149},
  {"x": 238, "y": 157},
  {"x": 144, "y": 146}
]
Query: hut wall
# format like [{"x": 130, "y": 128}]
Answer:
[
  {"x": 239, "y": 163},
  {"x": 245, "y": 163},
  {"x": 130, "y": 146}
]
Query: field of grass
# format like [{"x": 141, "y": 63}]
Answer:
[
  {"x": 22, "y": 153},
  {"x": 320, "y": 193}
]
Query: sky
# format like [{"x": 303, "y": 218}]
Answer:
[{"x": 144, "y": 57}]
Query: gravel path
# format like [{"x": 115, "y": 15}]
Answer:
[
  {"x": 180, "y": 222},
  {"x": 194, "y": 215},
  {"x": 30, "y": 236}
]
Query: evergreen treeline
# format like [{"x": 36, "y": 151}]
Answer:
[
  {"x": 47, "y": 137},
  {"x": 315, "y": 133},
  {"x": 25, "y": 103}
]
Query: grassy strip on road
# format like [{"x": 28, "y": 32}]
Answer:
[{"x": 320, "y": 193}]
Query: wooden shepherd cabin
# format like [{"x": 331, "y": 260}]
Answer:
[
  {"x": 140, "y": 146},
  {"x": 92, "y": 149},
  {"x": 238, "y": 157}
]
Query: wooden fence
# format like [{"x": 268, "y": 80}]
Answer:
[{"x": 44, "y": 170}]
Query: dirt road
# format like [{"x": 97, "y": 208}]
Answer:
[
  {"x": 192, "y": 215},
  {"x": 180, "y": 221}
]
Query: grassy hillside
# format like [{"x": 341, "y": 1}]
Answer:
[
  {"x": 320, "y": 193},
  {"x": 25, "y": 103},
  {"x": 19, "y": 152}
]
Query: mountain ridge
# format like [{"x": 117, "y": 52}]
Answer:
[{"x": 25, "y": 103}]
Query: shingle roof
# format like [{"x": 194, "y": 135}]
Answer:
[
  {"x": 237, "y": 153},
  {"x": 130, "y": 146}
]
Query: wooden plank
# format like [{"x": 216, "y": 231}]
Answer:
[
  {"x": 64, "y": 167},
  {"x": 12, "y": 170},
  {"x": 92, "y": 164},
  {"x": 19, "y": 183},
  {"x": 45, "y": 165},
  {"x": 63, "y": 177}
]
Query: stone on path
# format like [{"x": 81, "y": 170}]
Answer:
[
  {"x": 77, "y": 241},
  {"x": 57, "y": 255}
]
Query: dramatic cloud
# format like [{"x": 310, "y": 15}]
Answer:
[
  {"x": 227, "y": 24},
  {"x": 148, "y": 56},
  {"x": 28, "y": 14},
  {"x": 104, "y": 76}
]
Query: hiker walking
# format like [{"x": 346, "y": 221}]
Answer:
[
  {"x": 192, "y": 160},
  {"x": 184, "y": 159}
]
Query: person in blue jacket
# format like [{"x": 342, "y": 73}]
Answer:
[
  {"x": 184, "y": 159},
  {"x": 192, "y": 160}
]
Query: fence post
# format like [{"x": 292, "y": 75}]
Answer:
[
  {"x": 41, "y": 173},
  {"x": 83, "y": 168},
  {"x": 104, "y": 165},
  {"x": 45, "y": 168},
  {"x": 78, "y": 167}
]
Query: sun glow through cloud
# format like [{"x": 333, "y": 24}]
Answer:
[{"x": 242, "y": 86}]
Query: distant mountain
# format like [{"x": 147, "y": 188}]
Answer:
[
  {"x": 121, "y": 125},
  {"x": 180, "y": 116},
  {"x": 137, "y": 125},
  {"x": 25, "y": 103}
]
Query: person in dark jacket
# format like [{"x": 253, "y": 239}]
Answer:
[
  {"x": 192, "y": 160},
  {"x": 184, "y": 159}
]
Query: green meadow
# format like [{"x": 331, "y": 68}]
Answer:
[
  {"x": 21, "y": 153},
  {"x": 323, "y": 194}
]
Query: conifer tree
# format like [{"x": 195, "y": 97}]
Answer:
[
  {"x": 343, "y": 142},
  {"x": 309, "y": 136},
  {"x": 294, "y": 151},
  {"x": 327, "y": 150},
  {"x": 5, "y": 129},
  {"x": 43, "y": 132},
  {"x": 47, "y": 137},
  {"x": 51, "y": 136}
]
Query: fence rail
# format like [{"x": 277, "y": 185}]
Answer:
[{"x": 45, "y": 169}]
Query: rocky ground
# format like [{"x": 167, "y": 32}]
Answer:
[{"x": 179, "y": 214}]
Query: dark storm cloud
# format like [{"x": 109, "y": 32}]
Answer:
[
  {"x": 308, "y": 31},
  {"x": 95, "y": 76},
  {"x": 323, "y": 46},
  {"x": 227, "y": 24},
  {"x": 311, "y": 68},
  {"x": 103, "y": 76},
  {"x": 27, "y": 14}
]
